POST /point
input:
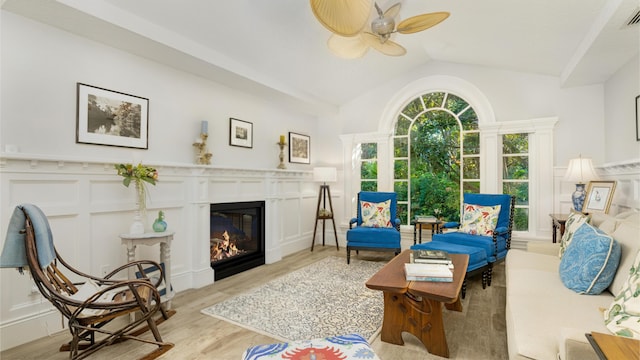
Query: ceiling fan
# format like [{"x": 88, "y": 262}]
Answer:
[{"x": 352, "y": 36}]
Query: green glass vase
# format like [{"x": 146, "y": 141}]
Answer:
[{"x": 159, "y": 225}]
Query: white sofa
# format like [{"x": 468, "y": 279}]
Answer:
[{"x": 547, "y": 321}]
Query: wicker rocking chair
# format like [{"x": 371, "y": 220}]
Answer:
[{"x": 92, "y": 304}]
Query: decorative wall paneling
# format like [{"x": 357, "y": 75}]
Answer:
[{"x": 88, "y": 208}]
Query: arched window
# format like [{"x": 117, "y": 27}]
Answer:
[
  {"x": 436, "y": 155},
  {"x": 437, "y": 138}
]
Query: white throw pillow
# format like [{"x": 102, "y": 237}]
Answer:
[
  {"x": 574, "y": 221},
  {"x": 623, "y": 316},
  {"x": 87, "y": 290}
]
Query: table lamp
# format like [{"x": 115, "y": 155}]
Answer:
[{"x": 580, "y": 170}]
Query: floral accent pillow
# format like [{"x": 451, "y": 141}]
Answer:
[
  {"x": 376, "y": 214},
  {"x": 479, "y": 220},
  {"x": 574, "y": 221},
  {"x": 623, "y": 315}
]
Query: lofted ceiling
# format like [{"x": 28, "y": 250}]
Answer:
[{"x": 277, "y": 48}]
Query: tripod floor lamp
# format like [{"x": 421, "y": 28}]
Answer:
[{"x": 324, "y": 175}]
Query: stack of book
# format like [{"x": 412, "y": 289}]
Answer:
[
  {"x": 430, "y": 257},
  {"x": 429, "y": 265}
]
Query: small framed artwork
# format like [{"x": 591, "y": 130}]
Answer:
[
  {"x": 299, "y": 148},
  {"x": 107, "y": 117},
  {"x": 240, "y": 133},
  {"x": 599, "y": 195},
  {"x": 638, "y": 118}
]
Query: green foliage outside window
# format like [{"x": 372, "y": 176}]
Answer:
[
  {"x": 401, "y": 188},
  {"x": 427, "y": 154},
  {"x": 515, "y": 175},
  {"x": 369, "y": 167},
  {"x": 369, "y": 170},
  {"x": 369, "y": 151},
  {"x": 436, "y": 149},
  {"x": 369, "y": 185},
  {"x": 431, "y": 191},
  {"x": 521, "y": 219}
]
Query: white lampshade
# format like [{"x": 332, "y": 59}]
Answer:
[
  {"x": 325, "y": 174},
  {"x": 580, "y": 170}
]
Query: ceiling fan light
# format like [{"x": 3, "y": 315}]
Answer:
[
  {"x": 342, "y": 17},
  {"x": 383, "y": 26}
]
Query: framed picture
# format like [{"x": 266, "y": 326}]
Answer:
[
  {"x": 638, "y": 118},
  {"x": 240, "y": 133},
  {"x": 599, "y": 195},
  {"x": 299, "y": 148},
  {"x": 107, "y": 117}
]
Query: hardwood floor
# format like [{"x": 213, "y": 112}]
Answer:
[{"x": 480, "y": 327}]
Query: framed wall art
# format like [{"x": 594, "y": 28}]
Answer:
[
  {"x": 638, "y": 118},
  {"x": 599, "y": 195},
  {"x": 107, "y": 117},
  {"x": 240, "y": 133},
  {"x": 299, "y": 148}
]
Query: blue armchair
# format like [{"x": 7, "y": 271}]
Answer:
[
  {"x": 377, "y": 227},
  {"x": 495, "y": 244}
]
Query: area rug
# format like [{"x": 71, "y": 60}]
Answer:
[{"x": 326, "y": 298}]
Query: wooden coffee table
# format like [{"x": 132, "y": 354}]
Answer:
[{"x": 416, "y": 306}]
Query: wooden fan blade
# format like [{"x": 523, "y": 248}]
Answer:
[
  {"x": 348, "y": 47},
  {"x": 342, "y": 17},
  {"x": 421, "y": 22},
  {"x": 393, "y": 11},
  {"x": 388, "y": 47}
]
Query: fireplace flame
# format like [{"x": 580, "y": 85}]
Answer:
[{"x": 224, "y": 248}]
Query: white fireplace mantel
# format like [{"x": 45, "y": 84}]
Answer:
[{"x": 88, "y": 207}]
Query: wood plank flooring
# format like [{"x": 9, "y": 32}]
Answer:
[{"x": 476, "y": 333}]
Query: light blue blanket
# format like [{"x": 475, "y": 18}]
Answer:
[{"x": 14, "y": 254}]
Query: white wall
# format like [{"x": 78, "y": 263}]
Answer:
[
  {"x": 620, "y": 113},
  {"x": 513, "y": 96},
  {"x": 77, "y": 186},
  {"x": 41, "y": 66}
]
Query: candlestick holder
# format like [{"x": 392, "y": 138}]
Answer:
[
  {"x": 203, "y": 156},
  {"x": 282, "y": 145}
]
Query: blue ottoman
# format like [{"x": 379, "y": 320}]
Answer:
[{"x": 478, "y": 263}]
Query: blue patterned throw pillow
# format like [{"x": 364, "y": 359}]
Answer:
[{"x": 590, "y": 261}]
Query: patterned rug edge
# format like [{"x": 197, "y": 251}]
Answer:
[
  {"x": 248, "y": 327},
  {"x": 372, "y": 336}
]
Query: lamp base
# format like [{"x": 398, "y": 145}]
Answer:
[{"x": 578, "y": 197}]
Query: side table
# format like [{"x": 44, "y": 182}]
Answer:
[
  {"x": 610, "y": 347},
  {"x": 558, "y": 221},
  {"x": 436, "y": 228},
  {"x": 152, "y": 238}
]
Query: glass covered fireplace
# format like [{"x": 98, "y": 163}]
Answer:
[{"x": 236, "y": 237}]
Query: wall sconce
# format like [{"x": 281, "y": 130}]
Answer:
[{"x": 203, "y": 156}]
